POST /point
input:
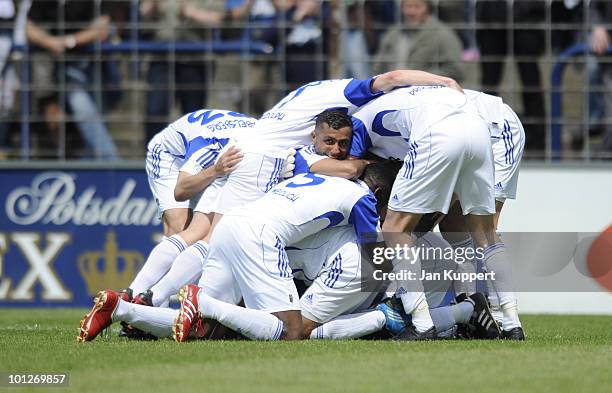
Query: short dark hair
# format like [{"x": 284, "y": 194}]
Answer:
[
  {"x": 335, "y": 118},
  {"x": 382, "y": 175}
]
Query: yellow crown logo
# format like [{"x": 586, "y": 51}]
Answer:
[{"x": 109, "y": 275}]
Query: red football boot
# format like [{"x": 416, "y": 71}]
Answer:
[
  {"x": 188, "y": 313},
  {"x": 99, "y": 318}
]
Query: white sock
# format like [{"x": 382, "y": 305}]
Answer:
[
  {"x": 154, "y": 320},
  {"x": 419, "y": 310},
  {"x": 254, "y": 324},
  {"x": 467, "y": 266},
  {"x": 350, "y": 326},
  {"x": 186, "y": 269},
  {"x": 496, "y": 260},
  {"x": 158, "y": 263}
]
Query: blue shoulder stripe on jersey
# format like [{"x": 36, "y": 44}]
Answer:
[
  {"x": 364, "y": 216},
  {"x": 379, "y": 128},
  {"x": 361, "y": 141},
  {"x": 301, "y": 166},
  {"x": 359, "y": 92},
  {"x": 334, "y": 217},
  {"x": 201, "y": 142}
]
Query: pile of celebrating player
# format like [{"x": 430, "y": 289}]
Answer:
[{"x": 305, "y": 194}]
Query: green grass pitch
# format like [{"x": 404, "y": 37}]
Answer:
[{"x": 562, "y": 354}]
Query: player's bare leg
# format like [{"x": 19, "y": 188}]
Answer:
[
  {"x": 216, "y": 218},
  {"x": 176, "y": 220}
]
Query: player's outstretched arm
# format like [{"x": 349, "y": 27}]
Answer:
[
  {"x": 393, "y": 79},
  {"x": 348, "y": 169},
  {"x": 189, "y": 185}
]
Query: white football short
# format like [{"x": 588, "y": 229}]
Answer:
[
  {"x": 162, "y": 172},
  {"x": 452, "y": 156},
  {"x": 337, "y": 289},
  {"x": 255, "y": 175},
  {"x": 507, "y": 153},
  {"x": 251, "y": 254},
  {"x": 209, "y": 199}
]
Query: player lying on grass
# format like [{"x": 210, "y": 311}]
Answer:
[
  {"x": 336, "y": 304},
  {"x": 288, "y": 124},
  {"x": 248, "y": 259},
  {"x": 446, "y": 148}
]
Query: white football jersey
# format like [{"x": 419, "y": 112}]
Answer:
[
  {"x": 197, "y": 138},
  {"x": 385, "y": 125},
  {"x": 309, "y": 203},
  {"x": 308, "y": 257},
  {"x": 290, "y": 122}
]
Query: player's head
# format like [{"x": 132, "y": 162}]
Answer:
[
  {"x": 332, "y": 134},
  {"x": 380, "y": 176}
]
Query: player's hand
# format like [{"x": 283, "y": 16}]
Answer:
[
  {"x": 600, "y": 40},
  {"x": 288, "y": 165},
  {"x": 228, "y": 161}
]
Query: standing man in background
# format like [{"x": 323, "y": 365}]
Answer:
[{"x": 421, "y": 42}]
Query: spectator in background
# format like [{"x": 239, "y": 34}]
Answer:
[
  {"x": 599, "y": 68},
  {"x": 305, "y": 47},
  {"x": 179, "y": 75},
  {"x": 263, "y": 70},
  {"x": 12, "y": 30},
  {"x": 233, "y": 79},
  {"x": 420, "y": 42},
  {"x": 495, "y": 43},
  {"x": 66, "y": 27},
  {"x": 55, "y": 136},
  {"x": 356, "y": 32}
]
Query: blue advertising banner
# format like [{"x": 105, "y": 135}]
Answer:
[{"x": 66, "y": 234}]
